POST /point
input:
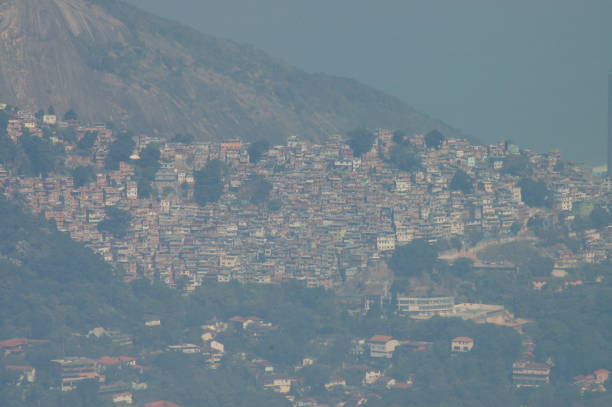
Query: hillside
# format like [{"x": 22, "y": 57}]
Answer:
[{"x": 115, "y": 63}]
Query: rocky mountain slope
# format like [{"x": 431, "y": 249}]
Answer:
[{"x": 112, "y": 62}]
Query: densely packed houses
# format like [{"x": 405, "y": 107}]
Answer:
[{"x": 338, "y": 215}]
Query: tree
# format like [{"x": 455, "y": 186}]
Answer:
[
  {"x": 120, "y": 150},
  {"x": 145, "y": 189},
  {"x": 399, "y": 136},
  {"x": 83, "y": 175},
  {"x": 404, "y": 158},
  {"x": 146, "y": 168},
  {"x": 462, "y": 266},
  {"x": 434, "y": 139},
  {"x": 462, "y": 182},
  {"x": 275, "y": 205},
  {"x": 51, "y": 110},
  {"x": 209, "y": 183},
  {"x": 71, "y": 115},
  {"x": 116, "y": 223},
  {"x": 43, "y": 156},
  {"x": 182, "y": 139},
  {"x": 360, "y": 141},
  {"x": 86, "y": 142},
  {"x": 414, "y": 259},
  {"x": 537, "y": 265},
  {"x": 516, "y": 165},
  {"x": 257, "y": 149},
  {"x": 256, "y": 189},
  {"x": 600, "y": 217},
  {"x": 535, "y": 193},
  {"x": 8, "y": 149},
  {"x": 4, "y": 119}
]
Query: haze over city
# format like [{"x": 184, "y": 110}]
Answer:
[
  {"x": 305, "y": 203},
  {"x": 533, "y": 72}
]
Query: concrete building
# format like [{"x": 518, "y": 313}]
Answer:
[
  {"x": 462, "y": 344},
  {"x": 382, "y": 346},
  {"x": 530, "y": 374},
  {"x": 425, "y": 307}
]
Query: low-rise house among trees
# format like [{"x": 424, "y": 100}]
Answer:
[
  {"x": 278, "y": 383},
  {"x": 381, "y": 346},
  {"x": 425, "y": 307},
  {"x": 462, "y": 344},
  {"x": 593, "y": 383},
  {"x": 526, "y": 373},
  {"x": 73, "y": 370},
  {"x": 19, "y": 345}
]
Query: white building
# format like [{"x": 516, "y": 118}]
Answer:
[
  {"x": 382, "y": 346},
  {"x": 425, "y": 307}
]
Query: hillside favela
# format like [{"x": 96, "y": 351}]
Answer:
[{"x": 401, "y": 264}]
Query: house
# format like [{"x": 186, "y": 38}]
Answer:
[
  {"x": 26, "y": 373},
  {"x": 278, "y": 383},
  {"x": 415, "y": 346},
  {"x": 18, "y": 345},
  {"x": 120, "y": 362},
  {"x": 73, "y": 370},
  {"x": 602, "y": 375},
  {"x": 50, "y": 119},
  {"x": 123, "y": 398},
  {"x": 592, "y": 383},
  {"x": 335, "y": 381},
  {"x": 162, "y": 403},
  {"x": 371, "y": 376},
  {"x": 387, "y": 382},
  {"x": 462, "y": 344},
  {"x": 526, "y": 373},
  {"x": 385, "y": 243},
  {"x": 425, "y": 307},
  {"x": 382, "y": 346},
  {"x": 152, "y": 320},
  {"x": 186, "y": 348}
]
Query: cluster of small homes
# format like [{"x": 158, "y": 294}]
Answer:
[{"x": 338, "y": 216}]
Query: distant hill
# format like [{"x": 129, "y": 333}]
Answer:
[{"x": 112, "y": 62}]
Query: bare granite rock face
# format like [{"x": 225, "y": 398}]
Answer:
[{"x": 112, "y": 62}]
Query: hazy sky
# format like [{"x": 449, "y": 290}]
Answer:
[{"x": 532, "y": 71}]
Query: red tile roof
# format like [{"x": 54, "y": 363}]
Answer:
[
  {"x": 12, "y": 343},
  {"x": 19, "y": 368},
  {"x": 381, "y": 338},
  {"x": 463, "y": 339},
  {"x": 162, "y": 403}
]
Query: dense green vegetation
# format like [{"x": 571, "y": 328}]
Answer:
[
  {"x": 517, "y": 165},
  {"x": 83, "y": 175},
  {"x": 434, "y": 139},
  {"x": 256, "y": 190},
  {"x": 209, "y": 182},
  {"x": 53, "y": 287},
  {"x": 146, "y": 168},
  {"x": 523, "y": 254},
  {"x": 31, "y": 155},
  {"x": 120, "y": 150},
  {"x": 116, "y": 222},
  {"x": 462, "y": 182},
  {"x": 85, "y": 144},
  {"x": 4, "y": 118},
  {"x": 414, "y": 259},
  {"x": 257, "y": 149},
  {"x": 535, "y": 193},
  {"x": 71, "y": 115},
  {"x": 404, "y": 158},
  {"x": 360, "y": 141},
  {"x": 399, "y": 137}
]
